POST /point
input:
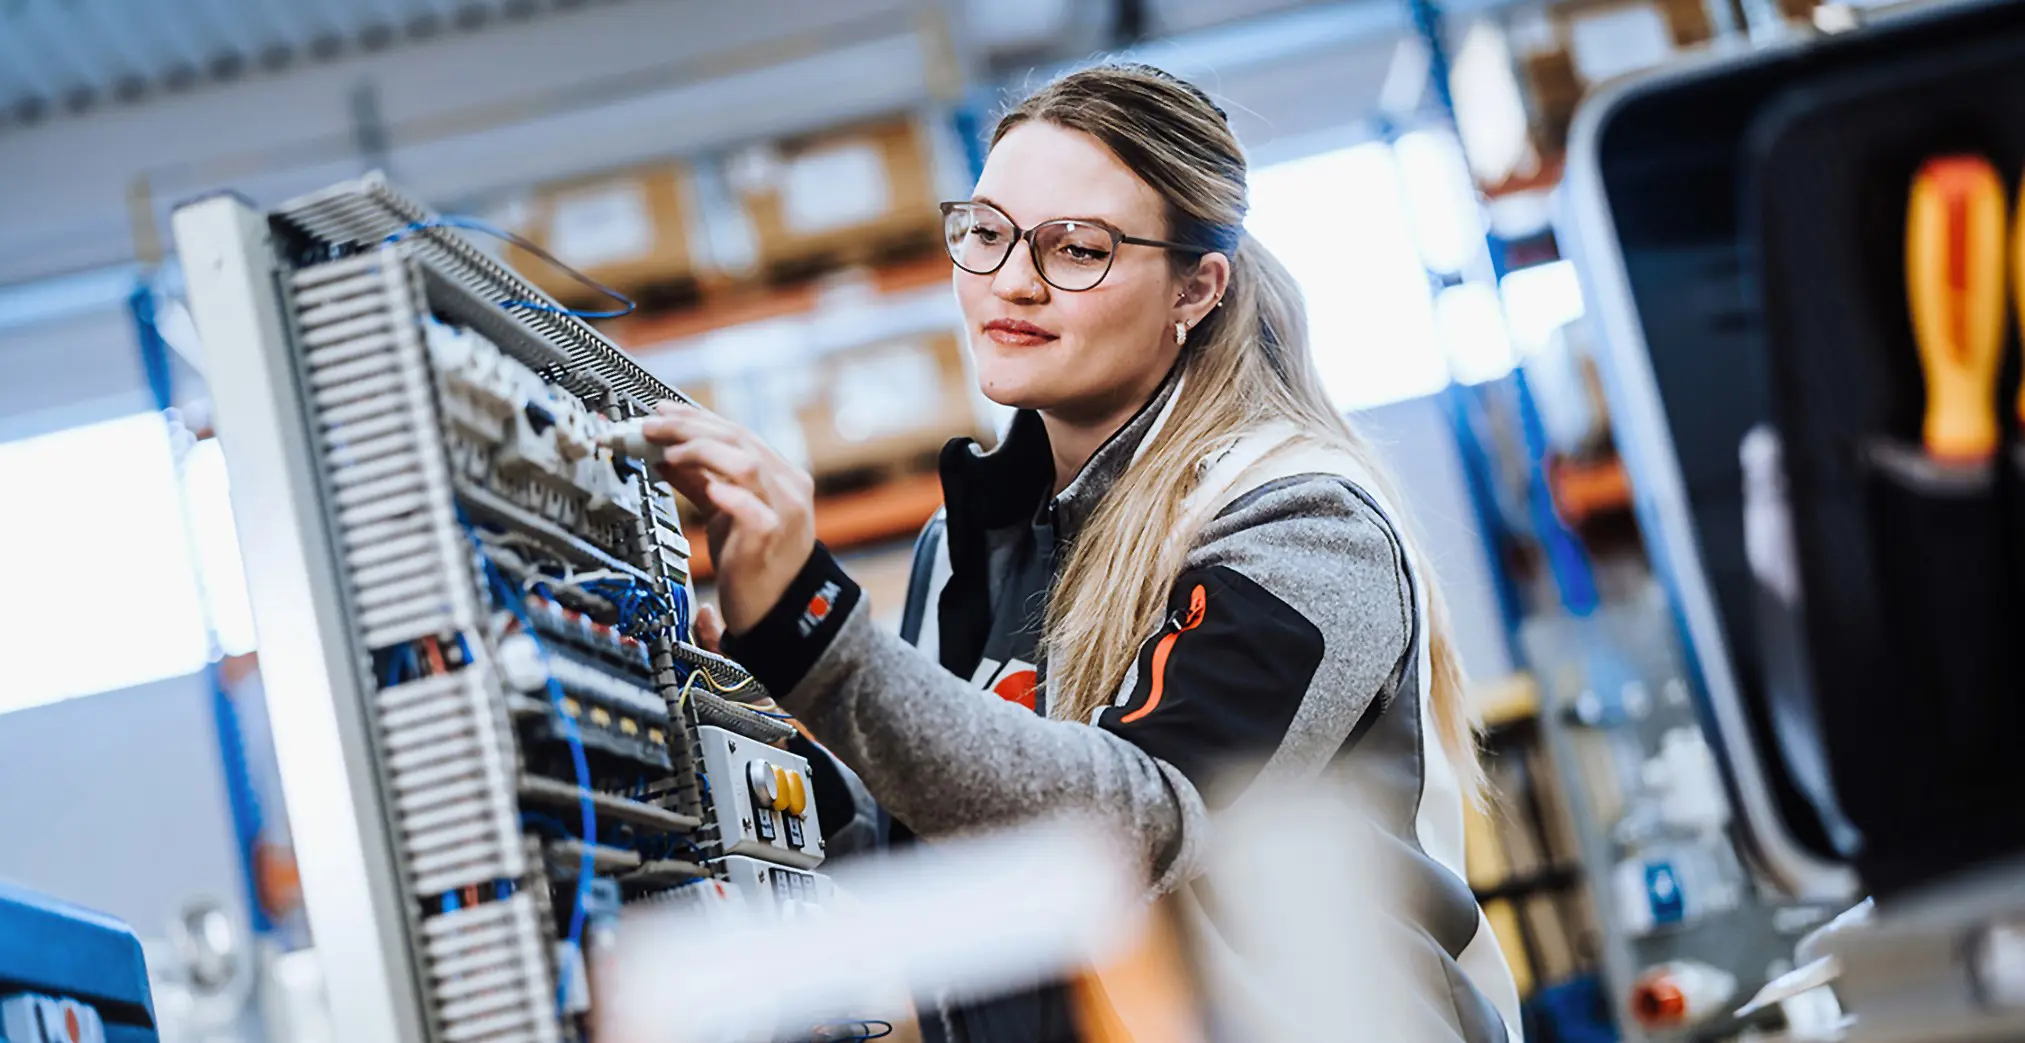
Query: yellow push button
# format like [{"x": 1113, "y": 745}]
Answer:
[
  {"x": 780, "y": 790},
  {"x": 798, "y": 794}
]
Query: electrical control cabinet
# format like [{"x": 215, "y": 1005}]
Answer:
[
  {"x": 761, "y": 796},
  {"x": 474, "y": 609}
]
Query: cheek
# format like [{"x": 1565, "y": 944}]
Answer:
[
  {"x": 1113, "y": 325},
  {"x": 972, "y": 294}
]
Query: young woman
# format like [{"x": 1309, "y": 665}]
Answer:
[{"x": 1180, "y": 570}]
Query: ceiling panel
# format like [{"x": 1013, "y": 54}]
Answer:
[{"x": 66, "y": 57}]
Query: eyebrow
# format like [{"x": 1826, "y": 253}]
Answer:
[{"x": 1098, "y": 221}]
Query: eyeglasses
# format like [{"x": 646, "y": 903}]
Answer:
[{"x": 1071, "y": 255}]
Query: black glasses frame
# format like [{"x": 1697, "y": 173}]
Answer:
[{"x": 1033, "y": 252}]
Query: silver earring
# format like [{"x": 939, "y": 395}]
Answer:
[{"x": 1180, "y": 333}]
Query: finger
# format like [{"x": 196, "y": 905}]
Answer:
[
  {"x": 708, "y": 629},
  {"x": 687, "y": 467},
  {"x": 682, "y": 423},
  {"x": 749, "y": 515},
  {"x": 728, "y": 462},
  {"x": 691, "y": 483},
  {"x": 671, "y": 406}
]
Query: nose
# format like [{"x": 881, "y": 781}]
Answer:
[{"x": 1017, "y": 281}]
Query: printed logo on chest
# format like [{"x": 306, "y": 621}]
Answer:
[{"x": 1013, "y": 681}]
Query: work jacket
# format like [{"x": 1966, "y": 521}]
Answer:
[{"x": 1294, "y": 647}]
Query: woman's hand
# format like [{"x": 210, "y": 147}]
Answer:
[
  {"x": 707, "y": 629},
  {"x": 760, "y": 509}
]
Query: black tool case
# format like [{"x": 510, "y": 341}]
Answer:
[{"x": 1741, "y": 224}]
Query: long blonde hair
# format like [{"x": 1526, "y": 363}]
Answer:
[{"x": 1247, "y": 364}]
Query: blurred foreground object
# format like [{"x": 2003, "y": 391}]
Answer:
[
  {"x": 1805, "y": 381},
  {"x": 954, "y": 919},
  {"x": 1681, "y": 993},
  {"x": 1307, "y": 943},
  {"x": 69, "y": 975}
]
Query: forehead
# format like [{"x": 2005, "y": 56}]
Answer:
[{"x": 1039, "y": 172}]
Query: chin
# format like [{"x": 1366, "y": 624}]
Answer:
[
  {"x": 1017, "y": 383},
  {"x": 1013, "y": 394}
]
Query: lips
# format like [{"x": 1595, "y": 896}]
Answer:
[{"x": 1015, "y": 333}]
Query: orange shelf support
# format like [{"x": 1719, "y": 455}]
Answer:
[
  {"x": 738, "y": 305},
  {"x": 1584, "y": 489}
]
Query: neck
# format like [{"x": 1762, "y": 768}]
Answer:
[
  {"x": 1075, "y": 435},
  {"x": 1074, "y": 439}
]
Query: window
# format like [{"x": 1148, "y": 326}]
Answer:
[
  {"x": 1358, "y": 229},
  {"x": 104, "y": 592},
  {"x": 1538, "y": 301},
  {"x": 1338, "y": 222}
]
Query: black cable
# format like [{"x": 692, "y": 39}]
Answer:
[{"x": 472, "y": 224}]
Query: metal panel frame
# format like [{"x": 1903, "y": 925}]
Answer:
[
  {"x": 312, "y": 671},
  {"x": 1646, "y": 443}
]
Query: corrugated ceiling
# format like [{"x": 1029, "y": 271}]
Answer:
[{"x": 65, "y": 57}]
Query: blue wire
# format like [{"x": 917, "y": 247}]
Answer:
[
  {"x": 571, "y": 735},
  {"x": 680, "y": 597}
]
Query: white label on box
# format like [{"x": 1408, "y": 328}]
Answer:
[
  {"x": 595, "y": 226},
  {"x": 885, "y": 392},
  {"x": 1607, "y": 44},
  {"x": 836, "y": 186}
]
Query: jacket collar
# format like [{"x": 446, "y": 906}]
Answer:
[{"x": 1009, "y": 485}]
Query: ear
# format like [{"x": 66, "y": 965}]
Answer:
[{"x": 1201, "y": 289}]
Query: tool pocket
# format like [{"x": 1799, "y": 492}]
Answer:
[{"x": 1911, "y": 552}]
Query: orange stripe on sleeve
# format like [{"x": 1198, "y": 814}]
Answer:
[{"x": 1198, "y": 604}]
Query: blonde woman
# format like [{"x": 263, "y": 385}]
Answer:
[{"x": 1179, "y": 561}]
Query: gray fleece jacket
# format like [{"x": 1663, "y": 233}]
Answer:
[{"x": 1294, "y": 648}]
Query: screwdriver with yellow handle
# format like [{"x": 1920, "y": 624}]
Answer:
[{"x": 1955, "y": 246}]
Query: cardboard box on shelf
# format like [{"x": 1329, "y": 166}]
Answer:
[
  {"x": 845, "y": 196},
  {"x": 889, "y": 406},
  {"x": 629, "y": 230},
  {"x": 1580, "y": 44}
]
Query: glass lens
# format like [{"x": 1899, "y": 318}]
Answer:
[
  {"x": 1074, "y": 255},
  {"x": 978, "y": 237}
]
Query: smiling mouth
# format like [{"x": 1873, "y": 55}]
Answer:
[{"x": 1017, "y": 334}]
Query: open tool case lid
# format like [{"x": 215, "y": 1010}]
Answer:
[{"x": 1741, "y": 221}]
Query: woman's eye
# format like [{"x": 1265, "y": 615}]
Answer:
[
  {"x": 984, "y": 235},
  {"x": 1083, "y": 254}
]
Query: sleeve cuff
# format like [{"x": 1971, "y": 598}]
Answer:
[{"x": 783, "y": 646}]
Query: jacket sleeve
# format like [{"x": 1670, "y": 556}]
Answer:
[{"x": 1262, "y": 605}]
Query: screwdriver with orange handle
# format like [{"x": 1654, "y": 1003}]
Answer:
[{"x": 1955, "y": 247}]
